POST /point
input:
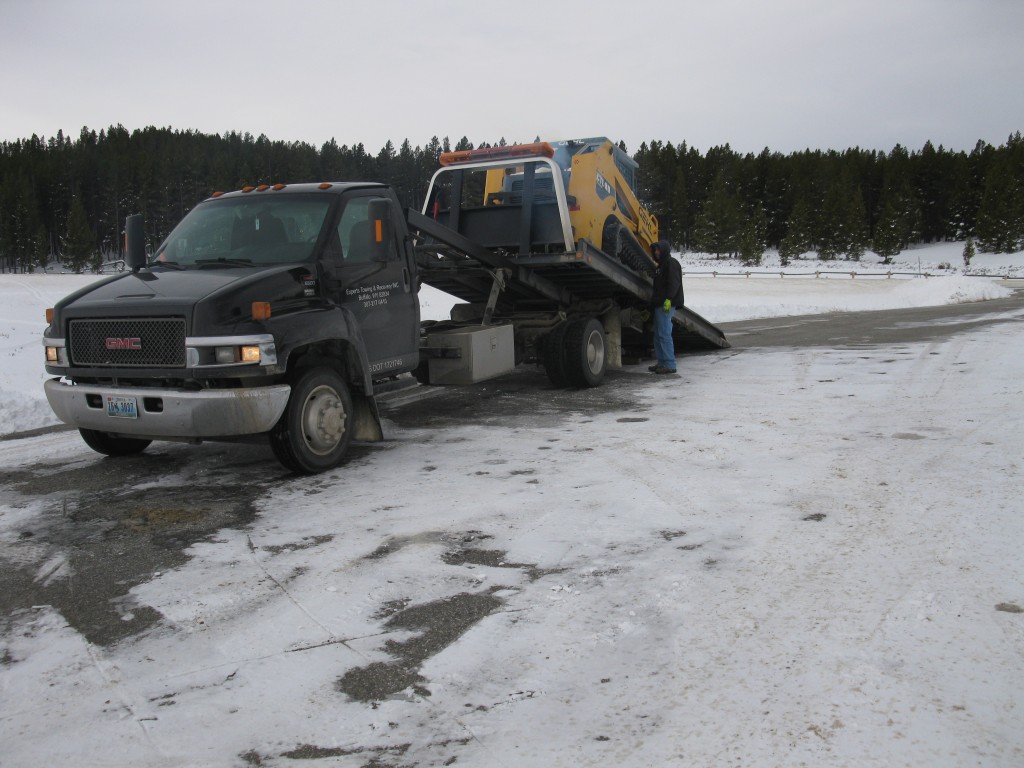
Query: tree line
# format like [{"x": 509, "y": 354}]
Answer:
[
  {"x": 836, "y": 204},
  {"x": 67, "y": 198}
]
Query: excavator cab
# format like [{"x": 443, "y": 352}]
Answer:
[{"x": 551, "y": 196}]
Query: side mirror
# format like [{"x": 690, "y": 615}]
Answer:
[
  {"x": 135, "y": 242},
  {"x": 379, "y": 211}
]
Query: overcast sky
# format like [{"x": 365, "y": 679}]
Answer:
[{"x": 785, "y": 74}]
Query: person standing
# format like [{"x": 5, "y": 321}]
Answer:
[{"x": 667, "y": 294}]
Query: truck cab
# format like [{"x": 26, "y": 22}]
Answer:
[{"x": 271, "y": 310}]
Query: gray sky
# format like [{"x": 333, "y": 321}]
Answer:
[{"x": 784, "y": 74}]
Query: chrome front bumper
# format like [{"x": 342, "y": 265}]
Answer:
[{"x": 169, "y": 413}]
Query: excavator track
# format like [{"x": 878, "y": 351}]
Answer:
[{"x": 620, "y": 242}]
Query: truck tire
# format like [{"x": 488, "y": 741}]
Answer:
[
  {"x": 555, "y": 363},
  {"x": 585, "y": 352},
  {"x": 110, "y": 445},
  {"x": 315, "y": 430}
]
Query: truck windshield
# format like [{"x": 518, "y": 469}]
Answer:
[{"x": 247, "y": 230}]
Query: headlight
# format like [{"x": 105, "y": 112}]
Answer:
[
  {"x": 257, "y": 349},
  {"x": 245, "y": 354},
  {"x": 56, "y": 352}
]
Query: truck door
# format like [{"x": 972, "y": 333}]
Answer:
[{"x": 378, "y": 289}]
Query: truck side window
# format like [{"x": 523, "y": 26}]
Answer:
[{"x": 354, "y": 232}]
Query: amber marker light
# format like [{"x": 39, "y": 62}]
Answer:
[
  {"x": 249, "y": 354},
  {"x": 49, "y": 315},
  {"x": 261, "y": 310}
]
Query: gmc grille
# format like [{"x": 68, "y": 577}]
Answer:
[{"x": 128, "y": 343}]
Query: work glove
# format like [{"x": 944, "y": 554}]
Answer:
[{"x": 667, "y": 306}]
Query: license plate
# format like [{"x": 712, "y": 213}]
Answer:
[{"x": 122, "y": 407}]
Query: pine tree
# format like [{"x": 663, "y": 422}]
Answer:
[
  {"x": 832, "y": 235},
  {"x": 968, "y": 253},
  {"x": 751, "y": 242},
  {"x": 680, "y": 233},
  {"x": 1001, "y": 216},
  {"x": 79, "y": 242},
  {"x": 797, "y": 239},
  {"x": 717, "y": 228},
  {"x": 856, "y": 227},
  {"x": 887, "y": 241}
]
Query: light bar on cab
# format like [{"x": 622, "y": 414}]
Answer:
[{"x": 536, "y": 149}]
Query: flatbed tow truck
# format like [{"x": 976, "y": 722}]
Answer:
[
  {"x": 576, "y": 309},
  {"x": 280, "y": 311}
]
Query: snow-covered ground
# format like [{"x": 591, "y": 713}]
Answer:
[{"x": 783, "y": 557}]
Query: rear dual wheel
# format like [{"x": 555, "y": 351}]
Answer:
[
  {"x": 555, "y": 364},
  {"x": 575, "y": 353}
]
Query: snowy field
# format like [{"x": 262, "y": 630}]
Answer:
[{"x": 782, "y": 557}]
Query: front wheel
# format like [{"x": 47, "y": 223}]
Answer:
[
  {"x": 315, "y": 430},
  {"x": 110, "y": 445}
]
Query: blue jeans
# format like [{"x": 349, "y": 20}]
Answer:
[{"x": 664, "y": 350}]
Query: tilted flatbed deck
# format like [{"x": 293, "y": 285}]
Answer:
[{"x": 452, "y": 263}]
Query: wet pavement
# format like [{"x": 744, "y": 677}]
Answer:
[{"x": 108, "y": 525}]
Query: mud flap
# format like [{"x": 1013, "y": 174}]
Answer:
[{"x": 366, "y": 426}]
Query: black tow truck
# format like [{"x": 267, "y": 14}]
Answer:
[
  {"x": 268, "y": 310},
  {"x": 281, "y": 311}
]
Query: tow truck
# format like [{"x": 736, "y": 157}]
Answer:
[{"x": 280, "y": 310}]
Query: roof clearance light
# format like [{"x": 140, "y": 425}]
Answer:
[
  {"x": 278, "y": 187},
  {"x": 326, "y": 185},
  {"x": 536, "y": 149},
  {"x": 262, "y": 188},
  {"x": 248, "y": 189}
]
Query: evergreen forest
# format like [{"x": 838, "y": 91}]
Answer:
[{"x": 66, "y": 199}]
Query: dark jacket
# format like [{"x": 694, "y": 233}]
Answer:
[{"x": 668, "y": 280}]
